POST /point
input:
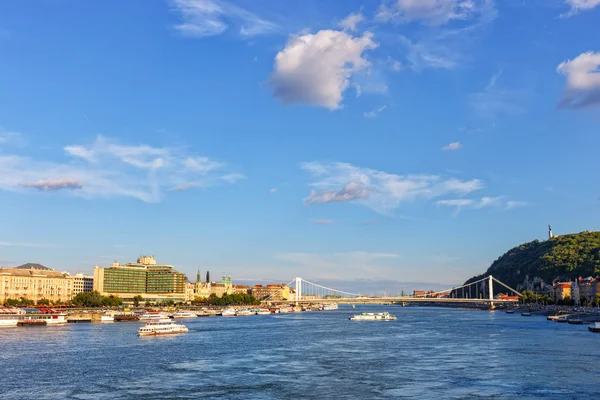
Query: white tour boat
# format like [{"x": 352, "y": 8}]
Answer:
[
  {"x": 152, "y": 316},
  {"x": 107, "y": 318},
  {"x": 263, "y": 311},
  {"x": 42, "y": 316},
  {"x": 244, "y": 312},
  {"x": 329, "y": 307},
  {"x": 228, "y": 312},
  {"x": 185, "y": 314},
  {"x": 384, "y": 316},
  {"x": 163, "y": 326}
]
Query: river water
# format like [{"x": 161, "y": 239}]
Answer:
[{"x": 427, "y": 353}]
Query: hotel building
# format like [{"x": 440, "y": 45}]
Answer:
[{"x": 154, "y": 282}]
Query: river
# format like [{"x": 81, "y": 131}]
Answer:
[{"x": 436, "y": 353}]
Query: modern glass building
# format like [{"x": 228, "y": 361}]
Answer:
[{"x": 154, "y": 282}]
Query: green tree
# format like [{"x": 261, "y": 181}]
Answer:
[
  {"x": 11, "y": 302},
  {"x": 596, "y": 300},
  {"x": 43, "y": 302},
  {"x": 136, "y": 300}
]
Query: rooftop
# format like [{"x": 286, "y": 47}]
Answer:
[{"x": 34, "y": 266}]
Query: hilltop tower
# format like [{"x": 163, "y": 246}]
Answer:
[{"x": 550, "y": 234}]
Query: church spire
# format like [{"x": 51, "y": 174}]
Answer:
[{"x": 198, "y": 279}]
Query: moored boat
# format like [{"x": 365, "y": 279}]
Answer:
[
  {"x": 595, "y": 327},
  {"x": 107, "y": 318},
  {"x": 575, "y": 321},
  {"x": 384, "y": 316},
  {"x": 184, "y": 314},
  {"x": 163, "y": 326},
  {"x": 526, "y": 314},
  {"x": 244, "y": 312},
  {"x": 228, "y": 312},
  {"x": 152, "y": 316},
  {"x": 20, "y": 317},
  {"x": 263, "y": 311},
  {"x": 330, "y": 306},
  {"x": 510, "y": 311}
]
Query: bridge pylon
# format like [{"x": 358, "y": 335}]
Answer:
[{"x": 298, "y": 290}]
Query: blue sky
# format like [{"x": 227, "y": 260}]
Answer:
[{"x": 399, "y": 142}]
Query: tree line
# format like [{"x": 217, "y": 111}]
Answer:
[{"x": 235, "y": 299}]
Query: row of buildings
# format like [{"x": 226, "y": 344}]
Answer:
[
  {"x": 36, "y": 282},
  {"x": 579, "y": 291},
  {"x": 155, "y": 283}
]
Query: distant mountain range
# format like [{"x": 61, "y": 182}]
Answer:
[{"x": 536, "y": 265}]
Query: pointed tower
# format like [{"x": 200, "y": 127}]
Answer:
[
  {"x": 198, "y": 279},
  {"x": 207, "y": 277}
]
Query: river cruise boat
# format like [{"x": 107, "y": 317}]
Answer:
[
  {"x": 329, "y": 307},
  {"x": 228, "y": 312},
  {"x": 163, "y": 326},
  {"x": 107, "y": 318},
  {"x": 595, "y": 327},
  {"x": 384, "y": 316},
  {"x": 263, "y": 311},
  {"x": 185, "y": 314},
  {"x": 152, "y": 316},
  {"x": 37, "y": 316},
  {"x": 245, "y": 312}
]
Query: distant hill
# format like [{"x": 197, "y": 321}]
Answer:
[{"x": 536, "y": 265}]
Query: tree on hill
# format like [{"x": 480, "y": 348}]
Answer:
[{"x": 562, "y": 258}]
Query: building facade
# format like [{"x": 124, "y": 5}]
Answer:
[
  {"x": 82, "y": 284},
  {"x": 271, "y": 292},
  {"x": 156, "y": 283},
  {"x": 35, "y": 282}
]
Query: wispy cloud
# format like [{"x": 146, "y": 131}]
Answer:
[
  {"x": 201, "y": 18},
  {"x": 375, "y": 113},
  {"x": 53, "y": 184},
  {"x": 495, "y": 100},
  {"x": 372, "y": 222},
  {"x": 106, "y": 168},
  {"x": 316, "y": 69},
  {"x": 445, "y": 47},
  {"x": 515, "y": 204},
  {"x": 484, "y": 202},
  {"x": 429, "y": 12},
  {"x": 378, "y": 190},
  {"x": 323, "y": 221},
  {"x": 11, "y": 138},
  {"x": 272, "y": 190},
  {"x": 452, "y": 146},
  {"x": 580, "y": 5},
  {"x": 351, "y": 21},
  {"x": 583, "y": 81}
]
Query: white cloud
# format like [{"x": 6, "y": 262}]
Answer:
[
  {"x": 452, "y": 146},
  {"x": 378, "y": 190},
  {"x": 316, "y": 69},
  {"x": 374, "y": 113},
  {"x": 351, "y": 191},
  {"x": 14, "y": 138},
  {"x": 580, "y": 5},
  {"x": 323, "y": 221},
  {"x": 351, "y": 21},
  {"x": 430, "y": 12},
  {"x": 583, "y": 81},
  {"x": 514, "y": 204},
  {"x": 201, "y": 18},
  {"x": 46, "y": 185},
  {"x": 272, "y": 190},
  {"x": 455, "y": 202},
  {"x": 484, "y": 202},
  {"x": 106, "y": 168}
]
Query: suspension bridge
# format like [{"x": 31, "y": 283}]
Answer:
[{"x": 480, "y": 292}]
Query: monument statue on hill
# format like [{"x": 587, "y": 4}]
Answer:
[{"x": 550, "y": 235}]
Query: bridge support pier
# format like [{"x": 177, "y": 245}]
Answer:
[
  {"x": 298, "y": 290},
  {"x": 491, "y": 290}
]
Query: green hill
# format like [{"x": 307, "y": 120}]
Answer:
[{"x": 536, "y": 265}]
